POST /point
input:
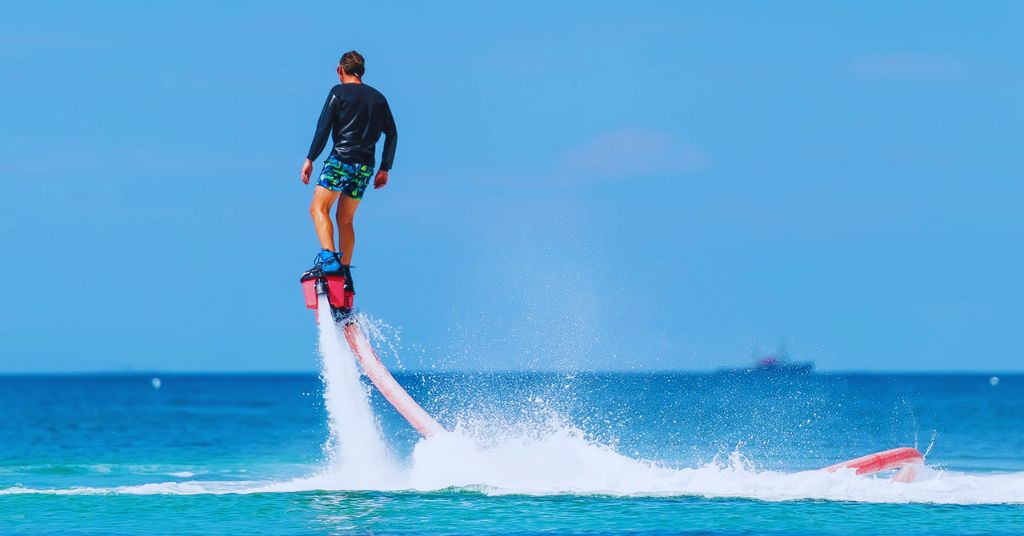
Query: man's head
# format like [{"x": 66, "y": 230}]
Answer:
[{"x": 352, "y": 65}]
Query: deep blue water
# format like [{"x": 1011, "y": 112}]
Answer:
[{"x": 112, "y": 454}]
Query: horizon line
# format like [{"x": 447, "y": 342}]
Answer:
[{"x": 304, "y": 372}]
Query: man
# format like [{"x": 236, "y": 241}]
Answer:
[{"x": 354, "y": 115}]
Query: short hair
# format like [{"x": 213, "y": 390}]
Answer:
[{"x": 353, "y": 63}]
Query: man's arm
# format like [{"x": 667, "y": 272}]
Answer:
[
  {"x": 323, "y": 126},
  {"x": 323, "y": 130},
  {"x": 387, "y": 156}
]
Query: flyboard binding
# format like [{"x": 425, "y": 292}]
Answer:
[{"x": 336, "y": 286}]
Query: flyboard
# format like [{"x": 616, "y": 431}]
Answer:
[{"x": 337, "y": 288}]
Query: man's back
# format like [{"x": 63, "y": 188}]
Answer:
[{"x": 355, "y": 115}]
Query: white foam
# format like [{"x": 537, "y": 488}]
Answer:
[
  {"x": 552, "y": 457},
  {"x": 356, "y": 452},
  {"x": 559, "y": 460}
]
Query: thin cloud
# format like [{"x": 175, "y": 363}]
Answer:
[
  {"x": 915, "y": 66},
  {"x": 634, "y": 151}
]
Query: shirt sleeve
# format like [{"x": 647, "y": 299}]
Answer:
[
  {"x": 387, "y": 156},
  {"x": 323, "y": 126}
]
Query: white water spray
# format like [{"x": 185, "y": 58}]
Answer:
[
  {"x": 495, "y": 456},
  {"x": 355, "y": 449},
  {"x": 561, "y": 461}
]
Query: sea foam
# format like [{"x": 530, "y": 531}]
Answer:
[
  {"x": 493, "y": 456},
  {"x": 561, "y": 461}
]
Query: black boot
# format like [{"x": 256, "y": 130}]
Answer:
[{"x": 350, "y": 285}]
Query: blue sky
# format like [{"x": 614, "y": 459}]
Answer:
[{"x": 642, "y": 185}]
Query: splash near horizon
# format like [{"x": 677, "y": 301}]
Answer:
[
  {"x": 497, "y": 449},
  {"x": 549, "y": 455}
]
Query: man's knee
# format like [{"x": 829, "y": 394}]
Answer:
[
  {"x": 343, "y": 218},
  {"x": 317, "y": 211}
]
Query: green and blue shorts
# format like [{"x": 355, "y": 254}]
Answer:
[{"x": 349, "y": 179}]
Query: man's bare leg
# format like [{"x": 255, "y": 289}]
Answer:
[
  {"x": 346, "y": 232},
  {"x": 320, "y": 210}
]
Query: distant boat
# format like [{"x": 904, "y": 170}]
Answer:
[
  {"x": 777, "y": 363},
  {"x": 773, "y": 363}
]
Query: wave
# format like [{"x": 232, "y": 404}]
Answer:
[
  {"x": 493, "y": 456},
  {"x": 560, "y": 460}
]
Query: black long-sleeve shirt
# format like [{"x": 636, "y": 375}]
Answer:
[{"x": 355, "y": 115}]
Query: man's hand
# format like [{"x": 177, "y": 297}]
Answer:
[
  {"x": 380, "y": 180},
  {"x": 307, "y": 170}
]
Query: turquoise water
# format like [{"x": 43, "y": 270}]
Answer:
[{"x": 650, "y": 453}]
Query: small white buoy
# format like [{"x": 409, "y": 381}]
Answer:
[
  {"x": 156, "y": 383},
  {"x": 994, "y": 380}
]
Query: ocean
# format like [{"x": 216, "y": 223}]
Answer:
[{"x": 530, "y": 453}]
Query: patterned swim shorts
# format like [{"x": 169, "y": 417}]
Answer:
[{"x": 349, "y": 179}]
